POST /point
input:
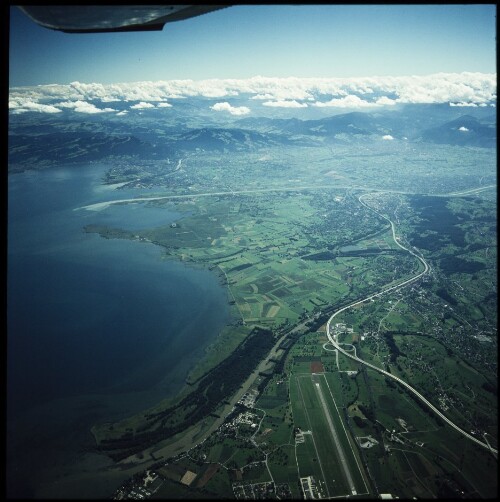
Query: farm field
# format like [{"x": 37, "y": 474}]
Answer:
[
  {"x": 289, "y": 254},
  {"x": 327, "y": 452},
  {"x": 250, "y": 268},
  {"x": 283, "y": 266}
]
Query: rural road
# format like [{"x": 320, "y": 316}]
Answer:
[{"x": 334, "y": 342}]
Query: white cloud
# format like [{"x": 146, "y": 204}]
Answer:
[
  {"x": 350, "y": 101},
  {"x": 442, "y": 87},
  {"x": 163, "y": 105},
  {"x": 384, "y": 100},
  {"x": 283, "y": 103},
  {"x": 263, "y": 96},
  {"x": 20, "y": 106},
  {"x": 123, "y": 112},
  {"x": 458, "y": 89},
  {"x": 68, "y": 104},
  {"x": 465, "y": 104},
  {"x": 84, "y": 107},
  {"x": 233, "y": 110},
  {"x": 387, "y": 137},
  {"x": 142, "y": 105},
  {"x": 463, "y": 129}
]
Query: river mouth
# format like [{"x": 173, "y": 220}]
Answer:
[{"x": 98, "y": 329}]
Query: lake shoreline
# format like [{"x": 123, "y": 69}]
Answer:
[{"x": 145, "y": 290}]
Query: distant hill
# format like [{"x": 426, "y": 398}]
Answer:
[
  {"x": 490, "y": 119},
  {"x": 44, "y": 141},
  {"x": 219, "y": 139},
  {"x": 292, "y": 125},
  {"x": 464, "y": 131},
  {"x": 353, "y": 123},
  {"x": 75, "y": 146},
  {"x": 423, "y": 123}
]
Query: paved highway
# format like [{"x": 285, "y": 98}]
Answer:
[
  {"x": 102, "y": 205},
  {"x": 407, "y": 282},
  {"x": 333, "y": 338}
]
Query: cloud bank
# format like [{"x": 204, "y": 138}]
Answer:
[
  {"x": 456, "y": 89},
  {"x": 142, "y": 105},
  {"x": 350, "y": 101},
  {"x": 285, "y": 103},
  {"x": 22, "y": 106},
  {"x": 233, "y": 110},
  {"x": 83, "y": 107}
]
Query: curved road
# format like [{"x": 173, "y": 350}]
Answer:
[
  {"x": 102, "y": 205},
  {"x": 334, "y": 342}
]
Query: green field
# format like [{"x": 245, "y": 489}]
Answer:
[
  {"x": 333, "y": 460},
  {"x": 287, "y": 255}
]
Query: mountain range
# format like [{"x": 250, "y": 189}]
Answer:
[{"x": 33, "y": 144}]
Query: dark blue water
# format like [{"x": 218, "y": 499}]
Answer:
[{"x": 97, "y": 328}]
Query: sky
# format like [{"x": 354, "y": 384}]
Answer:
[{"x": 240, "y": 42}]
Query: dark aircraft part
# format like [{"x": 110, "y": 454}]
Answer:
[{"x": 110, "y": 18}]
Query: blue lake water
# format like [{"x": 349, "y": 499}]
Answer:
[{"x": 97, "y": 328}]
